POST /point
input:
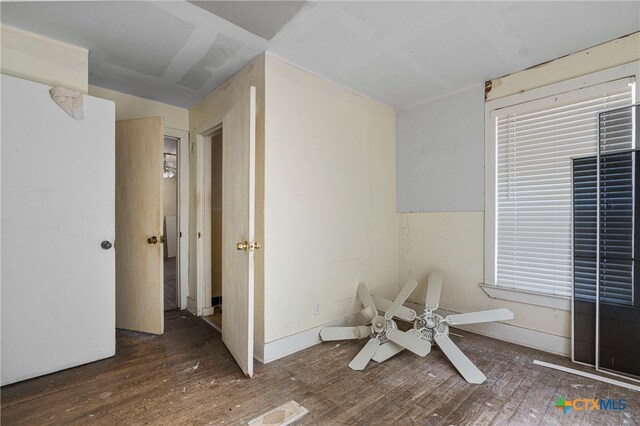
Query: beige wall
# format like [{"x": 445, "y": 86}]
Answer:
[
  {"x": 454, "y": 241},
  {"x": 36, "y": 58},
  {"x": 128, "y": 106},
  {"x": 210, "y": 111},
  {"x": 330, "y": 220}
]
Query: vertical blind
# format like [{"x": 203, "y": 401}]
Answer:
[
  {"x": 536, "y": 143},
  {"x": 616, "y": 227}
]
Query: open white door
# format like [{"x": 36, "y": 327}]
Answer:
[
  {"x": 139, "y": 250},
  {"x": 238, "y": 228},
  {"x": 58, "y": 272}
]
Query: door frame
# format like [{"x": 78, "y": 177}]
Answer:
[
  {"x": 204, "y": 133},
  {"x": 182, "y": 261}
]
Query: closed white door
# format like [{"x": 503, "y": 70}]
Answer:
[
  {"x": 238, "y": 228},
  {"x": 58, "y": 228}
]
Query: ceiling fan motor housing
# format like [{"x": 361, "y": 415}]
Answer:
[{"x": 430, "y": 325}]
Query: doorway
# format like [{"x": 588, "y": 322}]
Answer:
[
  {"x": 147, "y": 156},
  {"x": 215, "y": 230},
  {"x": 238, "y": 128},
  {"x": 170, "y": 222}
]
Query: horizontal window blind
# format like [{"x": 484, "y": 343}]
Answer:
[{"x": 535, "y": 148}]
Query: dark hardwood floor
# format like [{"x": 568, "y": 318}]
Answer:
[
  {"x": 187, "y": 376},
  {"x": 170, "y": 288}
]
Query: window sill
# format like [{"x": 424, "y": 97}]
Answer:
[{"x": 528, "y": 297}]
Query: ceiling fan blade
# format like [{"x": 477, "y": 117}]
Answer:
[
  {"x": 469, "y": 371},
  {"x": 364, "y": 356},
  {"x": 478, "y": 317},
  {"x": 365, "y": 298},
  {"x": 410, "y": 341},
  {"x": 386, "y": 351},
  {"x": 401, "y": 298},
  {"x": 403, "y": 312},
  {"x": 433, "y": 290},
  {"x": 368, "y": 314},
  {"x": 345, "y": 333}
]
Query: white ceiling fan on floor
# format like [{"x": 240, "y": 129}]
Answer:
[
  {"x": 383, "y": 333},
  {"x": 434, "y": 328}
]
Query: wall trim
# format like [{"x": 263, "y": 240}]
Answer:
[
  {"x": 596, "y": 58},
  {"x": 535, "y": 339},
  {"x": 271, "y": 351},
  {"x": 183, "y": 236},
  {"x": 528, "y": 297},
  {"x": 192, "y": 306}
]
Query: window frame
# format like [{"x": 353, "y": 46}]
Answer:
[{"x": 629, "y": 70}]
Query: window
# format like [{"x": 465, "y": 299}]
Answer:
[{"x": 532, "y": 143}]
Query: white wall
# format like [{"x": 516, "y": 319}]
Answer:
[
  {"x": 453, "y": 241},
  {"x": 330, "y": 220},
  {"x": 440, "y": 154}
]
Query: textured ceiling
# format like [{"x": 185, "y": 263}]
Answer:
[
  {"x": 173, "y": 52},
  {"x": 264, "y": 18},
  {"x": 400, "y": 53}
]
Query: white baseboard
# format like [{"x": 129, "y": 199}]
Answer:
[
  {"x": 191, "y": 306},
  {"x": 271, "y": 351},
  {"x": 207, "y": 311},
  {"x": 212, "y": 324},
  {"x": 513, "y": 334}
]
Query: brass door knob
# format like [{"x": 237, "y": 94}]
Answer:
[
  {"x": 245, "y": 245},
  {"x": 152, "y": 240}
]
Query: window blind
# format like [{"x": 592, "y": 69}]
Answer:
[
  {"x": 616, "y": 227},
  {"x": 536, "y": 142}
]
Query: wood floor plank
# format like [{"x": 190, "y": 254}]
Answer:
[{"x": 187, "y": 376}]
